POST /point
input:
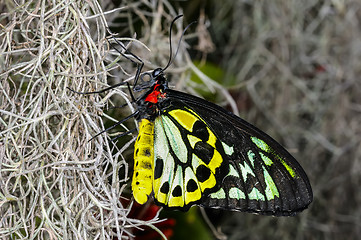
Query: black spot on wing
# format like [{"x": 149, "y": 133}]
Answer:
[
  {"x": 158, "y": 168},
  {"x": 204, "y": 151},
  {"x": 191, "y": 186},
  {"x": 203, "y": 173},
  {"x": 165, "y": 188},
  {"x": 177, "y": 191},
  {"x": 200, "y": 130}
]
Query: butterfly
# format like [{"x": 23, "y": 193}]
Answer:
[{"x": 190, "y": 151}]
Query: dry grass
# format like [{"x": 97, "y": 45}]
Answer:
[
  {"x": 54, "y": 183},
  {"x": 297, "y": 68}
]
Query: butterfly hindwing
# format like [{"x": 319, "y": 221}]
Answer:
[
  {"x": 189, "y": 159},
  {"x": 262, "y": 177}
]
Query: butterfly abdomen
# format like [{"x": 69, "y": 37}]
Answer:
[{"x": 143, "y": 162}]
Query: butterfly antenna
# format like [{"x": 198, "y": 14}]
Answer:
[{"x": 171, "y": 59}]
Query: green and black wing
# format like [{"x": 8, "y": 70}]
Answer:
[{"x": 262, "y": 177}]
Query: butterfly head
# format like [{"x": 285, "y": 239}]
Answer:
[{"x": 154, "y": 78}]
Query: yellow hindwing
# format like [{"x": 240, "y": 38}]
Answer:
[{"x": 186, "y": 158}]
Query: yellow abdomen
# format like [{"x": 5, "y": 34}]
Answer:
[{"x": 143, "y": 162}]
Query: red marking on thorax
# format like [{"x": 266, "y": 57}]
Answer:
[{"x": 155, "y": 95}]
